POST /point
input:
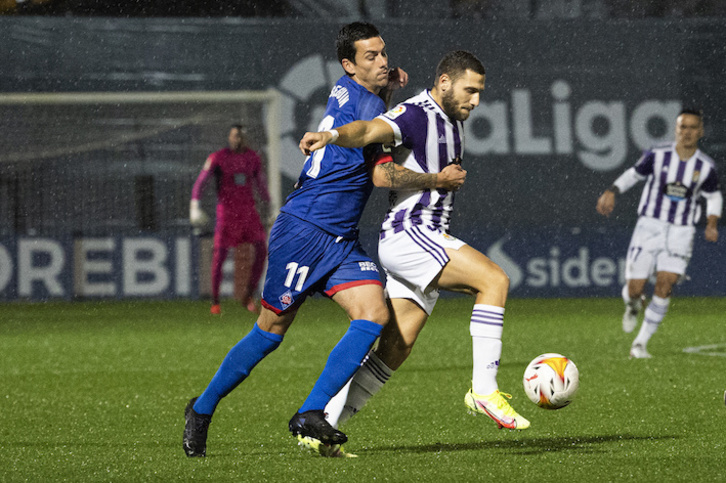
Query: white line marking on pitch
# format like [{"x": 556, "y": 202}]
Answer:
[{"x": 707, "y": 350}]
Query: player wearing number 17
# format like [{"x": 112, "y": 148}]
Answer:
[
  {"x": 676, "y": 175},
  {"x": 314, "y": 247}
]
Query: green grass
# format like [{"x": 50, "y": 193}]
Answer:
[{"x": 96, "y": 392}]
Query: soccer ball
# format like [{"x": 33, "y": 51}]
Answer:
[{"x": 551, "y": 381}]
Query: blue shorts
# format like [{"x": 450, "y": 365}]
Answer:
[{"x": 303, "y": 260}]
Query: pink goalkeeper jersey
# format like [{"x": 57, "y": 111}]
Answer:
[{"x": 237, "y": 175}]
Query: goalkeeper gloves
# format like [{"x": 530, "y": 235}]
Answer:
[{"x": 197, "y": 216}]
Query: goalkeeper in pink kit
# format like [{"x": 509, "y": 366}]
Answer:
[{"x": 238, "y": 173}]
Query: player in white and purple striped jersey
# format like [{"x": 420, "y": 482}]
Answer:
[
  {"x": 417, "y": 252},
  {"x": 436, "y": 141},
  {"x": 675, "y": 175}
]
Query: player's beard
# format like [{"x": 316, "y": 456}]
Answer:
[{"x": 451, "y": 107}]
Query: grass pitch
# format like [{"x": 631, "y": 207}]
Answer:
[{"x": 96, "y": 392}]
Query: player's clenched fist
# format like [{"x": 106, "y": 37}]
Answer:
[{"x": 452, "y": 177}]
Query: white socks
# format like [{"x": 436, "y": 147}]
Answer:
[
  {"x": 486, "y": 327},
  {"x": 366, "y": 382},
  {"x": 654, "y": 313}
]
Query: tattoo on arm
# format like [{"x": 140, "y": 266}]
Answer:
[{"x": 402, "y": 178}]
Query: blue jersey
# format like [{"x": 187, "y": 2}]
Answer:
[{"x": 335, "y": 183}]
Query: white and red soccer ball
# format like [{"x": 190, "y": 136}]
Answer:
[{"x": 551, "y": 381}]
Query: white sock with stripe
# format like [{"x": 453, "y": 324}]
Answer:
[
  {"x": 486, "y": 327},
  {"x": 366, "y": 382},
  {"x": 654, "y": 313}
]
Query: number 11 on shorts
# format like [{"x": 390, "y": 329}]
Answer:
[{"x": 292, "y": 270}]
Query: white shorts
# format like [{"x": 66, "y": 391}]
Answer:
[
  {"x": 411, "y": 259},
  {"x": 658, "y": 246}
]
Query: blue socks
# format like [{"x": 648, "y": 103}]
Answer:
[
  {"x": 236, "y": 366},
  {"x": 343, "y": 362}
]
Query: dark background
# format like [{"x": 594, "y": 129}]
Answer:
[
  {"x": 612, "y": 61},
  {"x": 527, "y": 210}
]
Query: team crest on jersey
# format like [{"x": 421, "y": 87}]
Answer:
[
  {"x": 286, "y": 299},
  {"x": 677, "y": 191},
  {"x": 395, "y": 112},
  {"x": 696, "y": 175}
]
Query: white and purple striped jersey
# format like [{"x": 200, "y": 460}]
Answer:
[
  {"x": 426, "y": 141},
  {"x": 672, "y": 185}
]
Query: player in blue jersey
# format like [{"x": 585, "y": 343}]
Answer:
[
  {"x": 675, "y": 175},
  {"x": 416, "y": 250},
  {"x": 314, "y": 247}
]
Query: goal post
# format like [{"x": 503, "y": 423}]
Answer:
[{"x": 88, "y": 162}]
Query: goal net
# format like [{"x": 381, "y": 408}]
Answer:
[{"x": 99, "y": 164}]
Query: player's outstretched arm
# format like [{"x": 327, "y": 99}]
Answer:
[
  {"x": 393, "y": 176},
  {"x": 352, "y": 135}
]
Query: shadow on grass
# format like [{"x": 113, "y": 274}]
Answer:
[{"x": 524, "y": 447}]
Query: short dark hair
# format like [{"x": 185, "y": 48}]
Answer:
[
  {"x": 457, "y": 62},
  {"x": 238, "y": 127},
  {"x": 692, "y": 111},
  {"x": 349, "y": 35}
]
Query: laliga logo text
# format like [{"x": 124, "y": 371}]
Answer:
[{"x": 574, "y": 128}]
